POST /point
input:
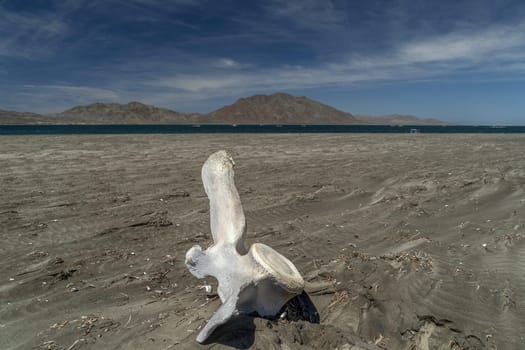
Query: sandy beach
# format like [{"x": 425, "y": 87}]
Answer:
[{"x": 404, "y": 241}]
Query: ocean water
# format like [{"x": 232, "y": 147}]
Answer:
[{"x": 210, "y": 129}]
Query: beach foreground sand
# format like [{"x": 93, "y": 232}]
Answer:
[{"x": 405, "y": 241}]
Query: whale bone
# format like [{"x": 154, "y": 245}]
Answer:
[{"x": 257, "y": 280}]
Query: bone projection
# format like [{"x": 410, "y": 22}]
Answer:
[{"x": 256, "y": 280}]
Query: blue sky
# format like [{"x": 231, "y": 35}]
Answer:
[{"x": 459, "y": 61}]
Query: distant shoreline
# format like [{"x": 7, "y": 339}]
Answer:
[{"x": 64, "y": 129}]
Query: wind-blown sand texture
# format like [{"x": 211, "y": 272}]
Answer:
[{"x": 405, "y": 241}]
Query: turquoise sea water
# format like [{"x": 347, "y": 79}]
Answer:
[{"x": 209, "y": 129}]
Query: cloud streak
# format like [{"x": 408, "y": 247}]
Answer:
[
  {"x": 435, "y": 57},
  {"x": 308, "y": 14},
  {"x": 29, "y": 35},
  {"x": 432, "y": 58},
  {"x": 43, "y": 98},
  {"x": 495, "y": 42}
]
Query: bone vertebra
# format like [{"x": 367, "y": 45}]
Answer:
[{"x": 259, "y": 280}]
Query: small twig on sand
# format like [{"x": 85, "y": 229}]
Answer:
[
  {"x": 172, "y": 345},
  {"x": 315, "y": 264},
  {"x": 75, "y": 343},
  {"x": 129, "y": 320}
]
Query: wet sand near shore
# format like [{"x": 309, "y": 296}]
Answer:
[{"x": 404, "y": 241}]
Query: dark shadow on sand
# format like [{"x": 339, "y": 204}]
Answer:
[
  {"x": 301, "y": 308},
  {"x": 239, "y": 332}
]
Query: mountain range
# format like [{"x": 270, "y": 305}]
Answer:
[{"x": 278, "y": 108}]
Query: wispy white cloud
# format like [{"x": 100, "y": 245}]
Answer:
[
  {"x": 76, "y": 92},
  {"x": 26, "y": 35},
  {"x": 428, "y": 58},
  {"x": 174, "y": 83},
  {"x": 227, "y": 63},
  {"x": 200, "y": 82},
  {"x": 308, "y": 14},
  {"x": 55, "y": 98},
  {"x": 498, "y": 42},
  {"x": 151, "y": 11},
  {"x": 161, "y": 4},
  {"x": 34, "y": 34}
]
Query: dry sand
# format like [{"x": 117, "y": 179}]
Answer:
[{"x": 405, "y": 241}]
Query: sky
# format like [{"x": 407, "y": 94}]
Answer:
[{"x": 458, "y": 61}]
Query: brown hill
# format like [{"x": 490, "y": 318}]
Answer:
[
  {"x": 280, "y": 108},
  {"x": 130, "y": 113},
  {"x": 11, "y": 117}
]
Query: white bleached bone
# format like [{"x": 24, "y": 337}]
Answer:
[{"x": 256, "y": 280}]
